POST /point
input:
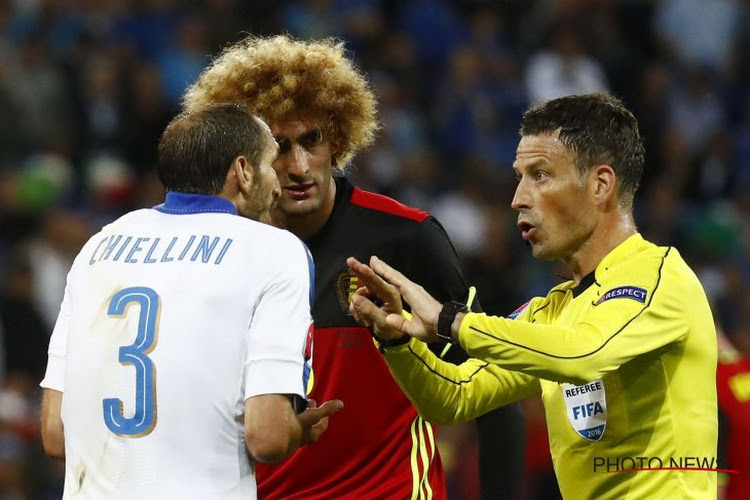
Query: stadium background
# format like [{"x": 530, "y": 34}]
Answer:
[{"x": 86, "y": 87}]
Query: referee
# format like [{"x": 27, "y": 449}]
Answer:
[{"x": 624, "y": 354}]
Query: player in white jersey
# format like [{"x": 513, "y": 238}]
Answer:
[{"x": 181, "y": 342}]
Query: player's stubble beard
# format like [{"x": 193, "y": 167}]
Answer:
[{"x": 262, "y": 202}]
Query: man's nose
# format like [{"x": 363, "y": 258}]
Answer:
[
  {"x": 298, "y": 163},
  {"x": 521, "y": 199}
]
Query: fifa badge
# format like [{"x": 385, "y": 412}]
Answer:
[{"x": 586, "y": 406}]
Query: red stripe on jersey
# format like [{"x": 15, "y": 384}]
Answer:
[{"x": 388, "y": 205}]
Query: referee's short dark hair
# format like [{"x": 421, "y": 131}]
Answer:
[
  {"x": 598, "y": 129},
  {"x": 197, "y": 147}
]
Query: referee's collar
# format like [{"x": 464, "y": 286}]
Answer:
[
  {"x": 582, "y": 285},
  {"x": 628, "y": 247},
  {"x": 184, "y": 203}
]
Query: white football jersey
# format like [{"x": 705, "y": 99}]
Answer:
[{"x": 172, "y": 318}]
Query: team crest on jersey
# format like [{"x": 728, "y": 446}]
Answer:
[
  {"x": 624, "y": 292},
  {"x": 586, "y": 406},
  {"x": 346, "y": 285}
]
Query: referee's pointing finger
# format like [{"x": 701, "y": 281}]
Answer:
[
  {"x": 368, "y": 278},
  {"x": 389, "y": 274}
]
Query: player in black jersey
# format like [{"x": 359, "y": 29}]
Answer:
[{"x": 321, "y": 111}]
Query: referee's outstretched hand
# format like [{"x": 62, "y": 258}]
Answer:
[
  {"x": 373, "y": 301},
  {"x": 425, "y": 309}
]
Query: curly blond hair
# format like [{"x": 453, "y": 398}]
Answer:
[{"x": 278, "y": 76}]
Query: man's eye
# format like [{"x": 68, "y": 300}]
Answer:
[
  {"x": 284, "y": 145},
  {"x": 540, "y": 175},
  {"x": 313, "y": 138}
]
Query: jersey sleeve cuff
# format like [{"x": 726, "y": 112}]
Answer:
[
  {"x": 464, "y": 332},
  {"x": 273, "y": 377},
  {"x": 393, "y": 346},
  {"x": 54, "y": 377}
]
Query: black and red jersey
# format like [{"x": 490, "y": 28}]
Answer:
[{"x": 377, "y": 446}]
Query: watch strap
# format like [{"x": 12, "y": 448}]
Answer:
[{"x": 445, "y": 319}]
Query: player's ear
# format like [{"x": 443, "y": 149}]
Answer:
[
  {"x": 242, "y": 173},
  {"x": 604, "y": 183}
]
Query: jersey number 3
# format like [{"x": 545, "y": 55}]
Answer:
[{"x": 135, "y": 354}]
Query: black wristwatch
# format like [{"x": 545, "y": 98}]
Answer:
[{"x": 445, "y": 320}]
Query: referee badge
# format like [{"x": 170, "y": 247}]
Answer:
[
  {"x": 587, "y": 408},
  {"x": 346, "y": 285}
]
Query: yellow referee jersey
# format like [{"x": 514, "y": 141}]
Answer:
[{"x": 625, "y": 362}]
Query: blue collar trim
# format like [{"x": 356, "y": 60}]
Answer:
[{"x": 183, "y": 203}]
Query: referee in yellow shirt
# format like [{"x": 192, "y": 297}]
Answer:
[{"x": 624, "y": 354}]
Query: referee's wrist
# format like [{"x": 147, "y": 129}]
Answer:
[
  {"x": 391, "y": 344},
  {"x": 456, "y": 325}
]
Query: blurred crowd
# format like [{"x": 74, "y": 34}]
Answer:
[{"x": 86, "y": 87}]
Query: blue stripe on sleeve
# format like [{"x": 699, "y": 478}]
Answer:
[{"x": 311, "y": 269}]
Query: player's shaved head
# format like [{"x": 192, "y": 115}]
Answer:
[{"x": 198, "y": 146}]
